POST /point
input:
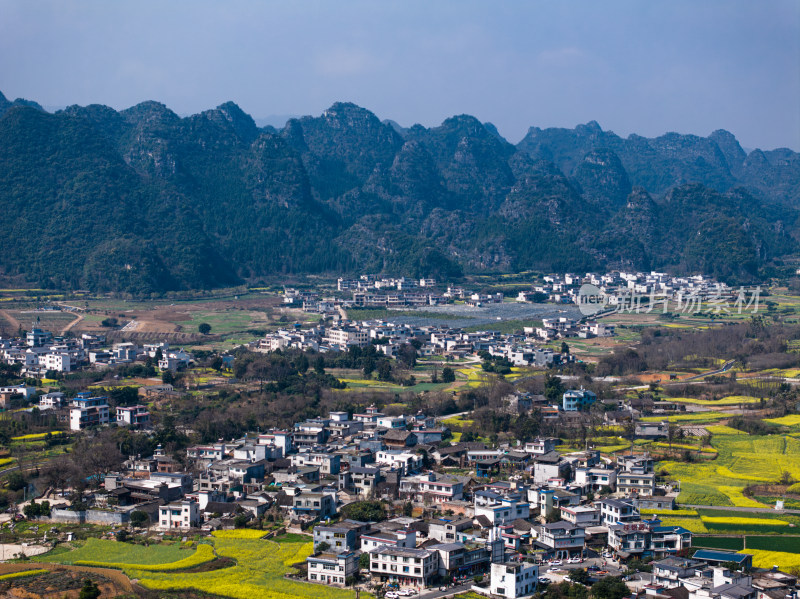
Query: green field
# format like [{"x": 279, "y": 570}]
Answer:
[
  {"x": 691, "y": 418},
  {"x": 111, "y": 552},
  {"x": 225, "y": 323},
  {"x": 725, "y": 543},
  {"x": 259, "y": 569},
  {"x": 731, "y": 400},
  {"x": 790, "y": 420},
  {"x": 741, "y": 461}
]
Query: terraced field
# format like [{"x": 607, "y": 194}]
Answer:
[
  {"x": 741, "y": 461},
  {"x": 258, "y": 570}
]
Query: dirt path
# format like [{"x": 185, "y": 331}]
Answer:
[
  {"x": 11, "y": 320},
  {"x": 79, "y": 317}
]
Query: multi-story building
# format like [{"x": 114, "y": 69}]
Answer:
[
  {"x": 436, "y": 488},
  {"x": 636, "y": 483},
  {"x": 404, "y": 461},
  {"x": 180, "y": 514},
  {"x": 617, "y": 511},
  {"x": 501, "y": 510},
  {"x": 578, "y": 400},
  {"x": 593, "y": 479},
  {"x": 341, "y": 537},
  {"x": 562, "y": 539},
  {"x": 346, "y": 337},
  {"x": 133, "y": 415},
  {"x": 647, "y": 538},
  {"x": 446, "y": 531},
  {"x": 332, "y": 568},
  {"x": 514, "y": 579},
  {"x": 327, "y": 463},
  {"x": 395, "y": 538},
  {"x": 667, "y": 572},
  {"x": 315, "y": 505},
  {"x": 582, "y": 516},
  {"x": 364, "y": 480},
  {"x": 48, "y": 401},
  {"x": 59, "y": 362},
  {"x": 87, "y": 411},
  {"x": 541, "y": 446},
  {"x": 405, "y": 566}
]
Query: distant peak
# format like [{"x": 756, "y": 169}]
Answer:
[
  {"x": 347, "y": 109},
  {"x": 722, "y": 133},
  {"x": 591, "y": 127},
  {"x": 150, "y": 110},
  {"x": 493, "y": 130},
  {"x": 463, "y": 120},
  {"x": 231, "y": 108}
]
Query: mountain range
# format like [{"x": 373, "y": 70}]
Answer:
[{"x": 144, "y": 201}]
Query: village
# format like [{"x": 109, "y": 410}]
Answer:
[{"x": 393, "y": 501}]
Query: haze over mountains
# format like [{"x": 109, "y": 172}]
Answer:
[{"x": 145, "y": 201}]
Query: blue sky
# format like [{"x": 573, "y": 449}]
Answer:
[{"x": 643, "y": 67}]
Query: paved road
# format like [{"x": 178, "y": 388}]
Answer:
[
  {"x": 725, "y": 367},
  {"x": 436, "y": 593}
]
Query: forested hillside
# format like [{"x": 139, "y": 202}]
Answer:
[{"x": 143, "y": 200}]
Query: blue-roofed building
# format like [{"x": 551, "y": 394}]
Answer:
[{"x": 714, "y": 557}]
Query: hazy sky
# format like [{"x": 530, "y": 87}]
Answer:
[{"x": 634, "y": 66}]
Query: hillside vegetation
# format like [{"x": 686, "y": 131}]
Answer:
[{"x": 143, "y": 200}]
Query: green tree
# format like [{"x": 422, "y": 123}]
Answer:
[
  {"x": 89, "y": 590},
  {"x": 240, "y": 521},
  {"x": 384, "y": 370},
  {"x": 579, "y": 575},
  {"x": 139, "y": 518},
  {"x": 364, "y": 511},
  {"x": 448, "y": 375},
  {"x": 408, "y": 509},
  {"x": 15, "y": 481},
  {"x": 204, "y": 328},
  {"x": 553, "y": 388},
  {"x": 610, "y": 587},
  {"x": 31, "y": 510},
  {"x": 363, "y": 561},
  {"x": 319, "y": 365},
  {"x": 167, "y": 377}
]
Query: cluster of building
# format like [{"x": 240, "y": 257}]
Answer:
[
  {"x": 39, "y": 352},
  {"x": 715, "y": 574},
  {"x": 373, "y": 291},
  {"x": 501, "y": 500},
  {"x": 519, "y": 349},
  {"x": 480, "y": 508}
]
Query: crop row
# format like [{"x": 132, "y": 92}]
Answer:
[{"x": 23, "y": 574}]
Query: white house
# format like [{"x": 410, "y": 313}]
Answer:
[
  {"x": 332, "y": 568},
  {"x": 514, "y": 579},
  {"x": 133, "y": 415},
  {"x": 180, "y": 514}
]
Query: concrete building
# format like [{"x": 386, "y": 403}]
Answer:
[
  {"x": 404, "y": 566},
  {"x": 578, "y": 400},
  {"x": 332, "y": 568},
  {"x": 180, "y": 514},
  {"x": 514, "y": 579},
  {"x": 133, "y": 415},
  {"x": 87, "y": 411},
  {"x": 342, "y": 537}
]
